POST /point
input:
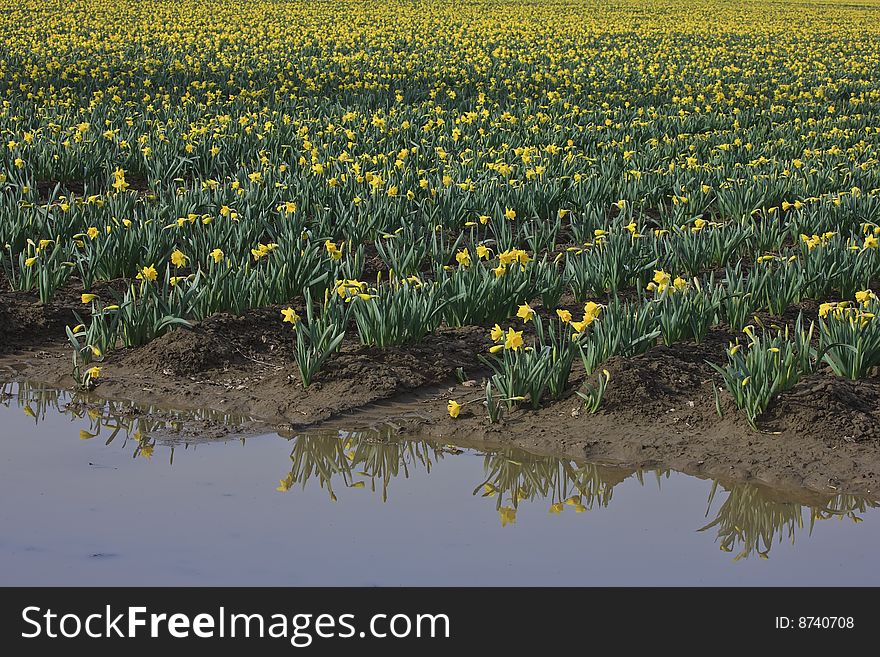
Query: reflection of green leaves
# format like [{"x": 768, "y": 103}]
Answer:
[
  {"x": 108, "y": 418},
  {"x": 35, "y": 400},
  {"x": 751, "y": 519},
  {"x": 353, "y": 459},
  {"x": 359, "y": 454},
  {"x": 842, "y": 506},
  {"x": 515, "y": 475}
]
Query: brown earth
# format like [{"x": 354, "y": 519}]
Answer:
[
  {"x": 659, "y": 410},
  {"x": 25, "y": 323},
  {"x": 47, "y": 189}
]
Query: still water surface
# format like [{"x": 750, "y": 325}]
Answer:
[{"x": 109, "y": 497}]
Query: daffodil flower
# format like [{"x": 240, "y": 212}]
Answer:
[
  {"x": 525, "y": 313},
  {"x": 592, "y": 310},
  {"x": 290, "y": 316},
  {"x": 513, "y": 340},
  {"x": 148, "y": 273}
]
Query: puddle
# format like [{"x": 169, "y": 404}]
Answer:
[{"x": 95, "y": 492}]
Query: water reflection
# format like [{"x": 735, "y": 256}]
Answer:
[
  {"x": 139, "y": 428},
  {"x": 747, "y": 520},
  {"x": 514, "y": 476},
  {"x": 353, "y": 459},
  {"x": 750, "y": 519}
]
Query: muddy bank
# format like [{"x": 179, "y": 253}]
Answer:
[
  {"x": 659, "y": 411},
  {"x": 25, "y": 323},
  {"x": 245, "y": 366}
]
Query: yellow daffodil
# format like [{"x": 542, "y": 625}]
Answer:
[
  {"x": 592, "y": 311},
  {"x": 334, "y": 250},
  {"x": 148, "y": 273},
  {"x": 525, "y": 313},
  {"x": 661, "y": 278},
  {"x": 513, "y": 339},
  {"x": 290, "y": 316}
]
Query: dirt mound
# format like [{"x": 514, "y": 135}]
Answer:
[
  {"x": 246, "y": 364},
  {"x": 24, "y": 322},
  {"x": 654, "y": 380},
  {"x": 433, "y": 359},
  {"x": 216, "y": 343},
  {"x": 183, "y": 352},
  {"x": 673, "y": 381},
  {"x": 27, "y": 324},
  {"x": 258, "y": 332},
  {"x": 830, "y": 406}
]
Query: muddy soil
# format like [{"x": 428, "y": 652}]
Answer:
[
  {"x": 660, "y": 408},
  {"x": 54, "y": 189}
]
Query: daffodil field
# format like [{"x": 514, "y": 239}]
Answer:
[{"x": 381, "y": 170}]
